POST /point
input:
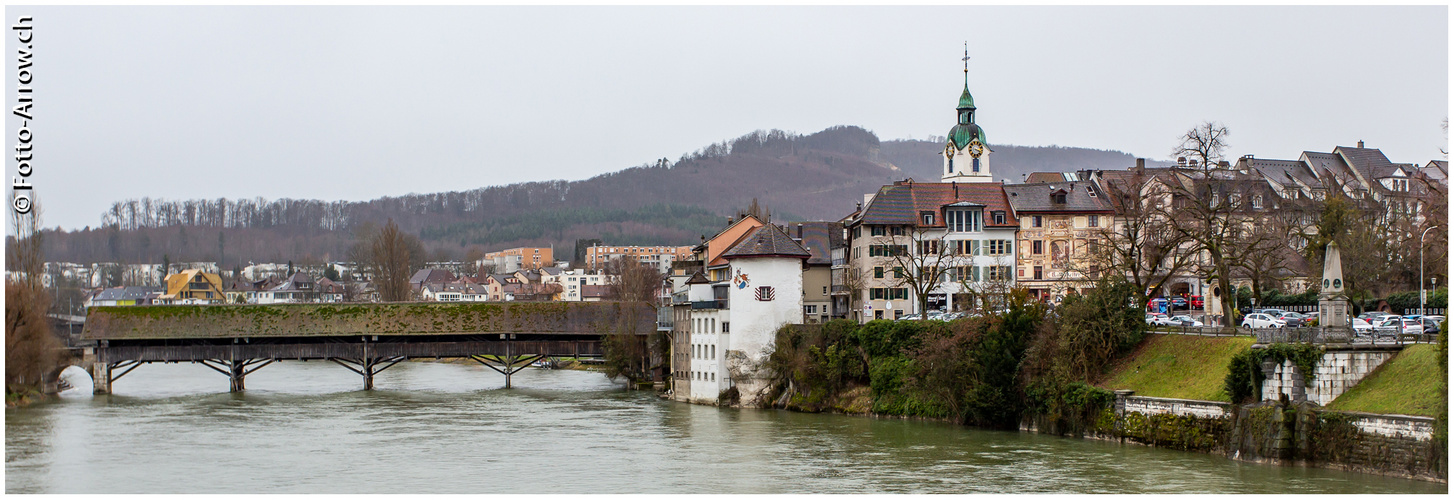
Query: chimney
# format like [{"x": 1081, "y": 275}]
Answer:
[
  {"x": 800, "y": 230},
  {"x": 1360, "y": 144},
  {"x": 1140, "y": 163}
]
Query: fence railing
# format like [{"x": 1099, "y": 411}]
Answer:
[
  {"x": 1320, "y": 335},
  {"x": 1428, "y": 311}
]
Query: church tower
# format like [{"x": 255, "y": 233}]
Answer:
[{"x": 966, "y": 153}]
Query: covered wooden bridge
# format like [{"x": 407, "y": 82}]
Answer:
[{"x": 366, "y": 338}]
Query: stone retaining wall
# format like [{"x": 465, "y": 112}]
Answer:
[{"x": 1338, "y": 371}]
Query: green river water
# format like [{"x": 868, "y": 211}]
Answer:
[{"x": 453, "y": 428}]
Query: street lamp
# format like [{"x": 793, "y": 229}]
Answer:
[{"x": 1422, "y": 296}]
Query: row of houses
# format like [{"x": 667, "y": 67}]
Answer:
[{"x": 965, "y": 237}]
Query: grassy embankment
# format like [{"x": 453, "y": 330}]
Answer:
[
  {"x": 1408, "y": 384},
  {"x": 1177, "y": 366}
]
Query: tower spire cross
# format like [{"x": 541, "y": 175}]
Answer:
[{"x": 966, "y": 64}]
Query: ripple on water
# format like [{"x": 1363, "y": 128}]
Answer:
[{"x": 307, "y": 428}]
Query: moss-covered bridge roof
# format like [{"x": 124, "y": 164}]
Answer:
[{"x": 324, "y": 320}]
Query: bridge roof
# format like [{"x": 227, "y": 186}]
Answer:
[{"x": 331, "y": 320}]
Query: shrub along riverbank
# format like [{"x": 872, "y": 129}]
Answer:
[
  {"x": 991, "y": 371},
  {"x": 1028, "y": 367}
]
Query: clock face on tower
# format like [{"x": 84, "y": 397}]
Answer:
[
  {"x": 976, "y": 149},
  {"x": 949, "y": 149}
]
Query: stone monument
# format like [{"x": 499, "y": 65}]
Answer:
[{"x": 1333, "y": 300}]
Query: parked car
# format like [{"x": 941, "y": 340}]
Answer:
[
  {"x": 1262, "y": 320},
  {"x": 1392, "y": 325},
  {"x": 1292, "y": 318},
  {"x": 1197, "y": 302},
  {"x": 1157, "y": 319},
  {"x": 1431, "y": 325},
  {"x": 909, "y": 317},
  {"x": 1179, "y": 303},
  {"x": 1185, "y": 320},
  {"x": 1361, "y": 326}
]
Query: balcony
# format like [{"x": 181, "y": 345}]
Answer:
[
  {"x": 840, "y": 290},
  {"x": 710, "y": 304}
]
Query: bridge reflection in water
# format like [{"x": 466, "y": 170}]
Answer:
[{"x": 237, "y": 340}]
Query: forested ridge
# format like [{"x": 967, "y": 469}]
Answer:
[{"x": 817, "y": 176}]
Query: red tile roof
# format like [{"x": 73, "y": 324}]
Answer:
[{"x": 902, "y": 202}]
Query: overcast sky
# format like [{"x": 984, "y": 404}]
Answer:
[{"x": 360, "y": 102}]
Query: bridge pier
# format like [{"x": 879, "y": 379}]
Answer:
[
  {"x": 100, "y": 378},
  {"x": 236, "y": 370},
  {"x": 368, "y": 367}
]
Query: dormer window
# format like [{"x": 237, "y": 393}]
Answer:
[
  {"x": 1058, "y": 197},
  {"x": 999, "y": 216},
  {"x": 927, "y": 218},
  {"x": 964, "y": 221}
]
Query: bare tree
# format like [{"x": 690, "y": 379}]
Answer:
[
  {"x": 391, "y": 254},
  {"x": 30, "y": 347},
  {"x": 920, "y": 262},
  {"x": 628, "y": 354},
  {"x": 1141, "y": 244},
  {"x": 1206, "y": 142}
]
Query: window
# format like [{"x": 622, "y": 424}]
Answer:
[
  {"x": 876, "y": 230},
  {"x": 765, "y": 293},
  {"x": 999, "y": 217},
  {"x": 878, "y": 272},
  {"x": 724, "y": 327},
  {"x": 896, "y": 231},
  {"x": 1093, "y": 221},
  {"x": 714, "y": 352},
  {"x": 997, "y": 247},
  {"x": 1058, "y": 198},
  {"x": 898, "y": 272},
  {"x": 1037, "y": 247},
  {"x": 1090, "y": 191},
  {"x": 813, "y": 309},
  {"x": 966, "y": 247},
  {"x": 1257, "y": 202},
  {"x": 994, "y": 273},
  {"x": 899, "y": 293},
  {"x": 929, "y": 247},
  {"x": 1039, "y": 273},
  {"x": 1093, "y": 246},
  {"x": 1036, "y": 222},
  {"x": 964, "y": 221},
  {"x": 976, "y": 164},
  {"x": 875, "y": 293},
  {"x": 927, "y": 217}
]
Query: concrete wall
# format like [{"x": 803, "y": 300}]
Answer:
[{"x": 1182, "y": 407}]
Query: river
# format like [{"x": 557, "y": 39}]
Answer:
[{"x": 305, "y": 427}]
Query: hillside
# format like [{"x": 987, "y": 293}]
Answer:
[{"x": 818, "y": 176}]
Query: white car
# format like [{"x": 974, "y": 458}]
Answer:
[
  {"x": 1396, "y": 324},
  {"x": 1361, "y": 327},
  {"x": 1158, "y": 319},
  {"x": 1261, "y": 320},
  {"x": 1184, "y": 320}
]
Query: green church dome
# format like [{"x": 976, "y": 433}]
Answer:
[{"x": 962, "y": 134}]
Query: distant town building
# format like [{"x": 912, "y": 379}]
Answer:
[
  {"x": 659, "y": 257},
  {"x": 1061, "y": 226},
  {"x": 193, "y": 286},
  {"x": 515, "y": 259}
]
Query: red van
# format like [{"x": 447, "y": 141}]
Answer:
[{"x": 1196, "y": 302}]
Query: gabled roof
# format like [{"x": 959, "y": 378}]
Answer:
[
  {"x": 766, "y": 241},
  {"x": 697, "y": 279},
  {"x": 431, "y": 276},
  {"x": 1368, "y": 161},
  {"x": 293, "y": 282},
  {"x": 1037, "y": 197},
  {"x": 902, "y": 202},
  {"x": 1287, "y": 173}
]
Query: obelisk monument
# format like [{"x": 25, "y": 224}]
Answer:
[{"x": 1333, "y": 301}]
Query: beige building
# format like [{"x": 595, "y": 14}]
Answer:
[
  {"x": 515, "y": 259},
  {"x": 1060, "y": 232},
  {"x": 659, "y": 257}
]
